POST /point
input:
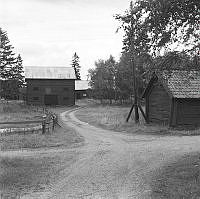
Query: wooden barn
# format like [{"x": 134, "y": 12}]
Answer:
[
  {"x": 50, "y": 85},
  {"x": 173, "y": 98},
  {"x": 82, "y": 89}
]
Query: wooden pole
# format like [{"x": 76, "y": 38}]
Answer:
[
  {"x": 44, "y": 125},
  {"x": 135, "y": 90},
  {"x": 143, "y": 114},
  {"x": 129, "y": 114},
  {"x": 135, "y": 93}
]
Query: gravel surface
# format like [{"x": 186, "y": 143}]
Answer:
[{"x": 113, "y": 165}]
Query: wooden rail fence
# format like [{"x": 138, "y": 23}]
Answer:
[{"x": 47, "y": 124}]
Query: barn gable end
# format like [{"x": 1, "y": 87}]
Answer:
[{"x": 50, "y": 86}]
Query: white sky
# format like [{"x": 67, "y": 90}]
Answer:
[{"x": 48, "y": 32}]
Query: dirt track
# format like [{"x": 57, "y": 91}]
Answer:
[{"x": 113, "y": 164}]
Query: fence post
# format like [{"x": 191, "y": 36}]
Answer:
[
  {"x": 53, "y": 118},
  {"x": 44, "y": 124}
]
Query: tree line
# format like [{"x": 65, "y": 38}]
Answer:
[
  {"x": 11, "y": 69},
  {"x": 113, "y": 80},
  {"x": 158, "y": 35}
]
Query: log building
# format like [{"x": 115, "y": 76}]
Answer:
[
  {"x": 173, "y": 98},
  {"x": 50, "y": 85}
]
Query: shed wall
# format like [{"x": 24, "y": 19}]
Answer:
[
  {"x": 37, "y": 89},
  {"x": 158, "y": 102},
  {"x": 81, "y": 94},
  {"x": 188, "y": 112}
]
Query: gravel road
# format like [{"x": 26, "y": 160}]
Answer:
[{"x": 114, "y": 165}]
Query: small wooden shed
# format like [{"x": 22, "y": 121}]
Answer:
[
  {"x": 173, "y": 98},
  {"x": 82, "y": 89}
]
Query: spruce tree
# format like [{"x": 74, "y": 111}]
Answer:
[
  {"x": 17, "y": 71},
  {"x": 76, "y": 66},
  {"x": 11, "y": 69},
  {"x": 7, "y": 57}
]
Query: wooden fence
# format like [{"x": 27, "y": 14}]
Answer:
[
  {"x": 13, "y": 195},
  {"x": 46, "y": 124},
  {"x": 49, "y": 122}
]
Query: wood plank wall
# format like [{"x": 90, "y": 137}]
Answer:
[
  {"x": 188, "y": 112},
  {"x": 158, "y": 104},
  {"x": 64, "y": 89}
]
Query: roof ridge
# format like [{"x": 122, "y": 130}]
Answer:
[
  {"x": 50, "y": 73},
  {"x": 49, "y": 66}
]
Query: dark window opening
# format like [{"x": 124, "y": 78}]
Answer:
[
  {"x": 35, "y": 88},
  {"x": 48, "y": 91},
  {"x": 51, "y": 100},
  {"x": 65, "y": 98},
  {"x": 65, "y": 89},
  {"x": 35, "y": 98}
]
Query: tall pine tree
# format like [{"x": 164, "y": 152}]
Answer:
[
  {"x": 7, "y": 57},
  {"x": 17, "y": 71},
  {"x": 76, "y": 66},
  {"x": 16, "y": 80},
  {"x": 11, "y": 69}
]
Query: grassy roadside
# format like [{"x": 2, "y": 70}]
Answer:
[
  {"x": 59, "y": 138},
  {"x": 114, "y": 118},
  {"x": 109, "y": 117},
  {"x": 176, "y": 180},
  {"x": 180, "y": 179},
  {"x": 24, "y": 175},
  {"x": 18, "y": 110},
  {"x": 20, "y": 176}
]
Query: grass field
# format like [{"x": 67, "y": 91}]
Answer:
[
  {"x": 109, "y": 117},
  {"x": 178, "y": 180},
  {"x": 14, "y": 111},
  {"x": 24, "y": 175},
  {"x": 21, "y": 175},
  {"x": 114, "y": 118},
  {"x": 58, "y": 138}
]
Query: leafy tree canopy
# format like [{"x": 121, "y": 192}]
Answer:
[
  {"x": 154, "y": 24},
  {"x": 103, "y": 79}
]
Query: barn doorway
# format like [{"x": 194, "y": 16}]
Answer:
[
  {"x": 51, "y": 100},
  {"x": 78, "y": 96}
]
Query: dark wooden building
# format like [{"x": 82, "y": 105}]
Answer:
[
  {"x": 173, "y": 98},
  {"x": 82, "y": 89},
  {"x": 1, "y": 87},
  {"x": 50, "y": 85}
]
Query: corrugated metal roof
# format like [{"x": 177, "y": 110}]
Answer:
[
  {"x": 36, "y": 72},
  {"x": 81, "y": 85},
  {"x": 182, "y": 84}
]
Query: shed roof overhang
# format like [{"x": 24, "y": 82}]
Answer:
[{"x": 178, "y": 84}]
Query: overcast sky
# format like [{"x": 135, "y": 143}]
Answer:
[{"x": 48, "y": 32}]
